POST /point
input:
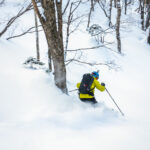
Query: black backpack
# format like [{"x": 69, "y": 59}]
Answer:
[{"x": 86, "y": 83}]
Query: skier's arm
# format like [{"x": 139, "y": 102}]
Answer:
[
  {"x": 78, "y": 85},
  {"x": 99, "y": 86}
]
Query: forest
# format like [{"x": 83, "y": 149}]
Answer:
[{"x": 47, "y": 47}]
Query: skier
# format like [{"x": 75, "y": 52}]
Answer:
[{"x": 87, "y": 87}]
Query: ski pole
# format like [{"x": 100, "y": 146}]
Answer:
[
  {"x": 115, "y": 102},
  {"x": 73, "y": 90}
]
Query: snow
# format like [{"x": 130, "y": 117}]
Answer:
[{"x": 34, "y": 114}]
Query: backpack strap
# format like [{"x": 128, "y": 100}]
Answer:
[{"x": 90, "y": 92}]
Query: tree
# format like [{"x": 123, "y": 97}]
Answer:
[
  {"x": 141, "y": 6},
  {"x": 110, "y": 11},
  {"x": 71, "y": 19},
  {"x": 37, "y": 38},
  {"x": 126, "y": 3},
  {"x": 147, "y": 24},
  {"x": 51, "y": 21},
  {"x": 91, "y": 9},
  {"x": 2, "y": 2},
  {"x": 7, "y": 24},
  {"x": 115, "y": 3},
  {"x": 148, "y": 39},
  {"x": 118, "y": 26}
]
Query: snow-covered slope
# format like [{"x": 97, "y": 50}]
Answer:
[{"x": 35, "y": 115}]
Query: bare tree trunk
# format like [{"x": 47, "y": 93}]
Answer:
[
  {"x": 148, "y": 15},
  {"x": 110, "y": 10},
  {"x": 68, "y": 29},
  {"x": 118, "y": 26},
  {"x": 125, "y": 7},
  {"x": 69, "y": 22},
  {"x": 142, "y": 13},
  {"x": 2, "y": 2},
  {"x": 126, "y": 3},
  {"x": 148, "y": 39},
  {"x": 52, "y": 27},
  {"x": 115, "y": 3},
  {"x": 60, "y": 23},
  {"x": 37, "y": 38},
  {"x": 89, "y": 16},
  {"x": 49, "y": 58}
]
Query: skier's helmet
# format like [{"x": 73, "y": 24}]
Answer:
[{"x": 95, "y": 74}]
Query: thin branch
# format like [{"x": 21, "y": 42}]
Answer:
[
  {"x": 76, "y": 6},
  {"x": 66, "y": 7},
  {"x": 104, "y": 31},
  {"x": 71, "y": 59},
  {"x": 69, "y": 21},
  {"x": 95, "y": 47},
  {"x": 90, "y": 13},
  {"x": 103, "y": 8},
  {"x": 75, "y": 27},
  {"x": 26, "y": 32},
  {"x": 77, "y": 18},
  {"x": 91, "y": 64},
  {"x": 12, "y": 20}
]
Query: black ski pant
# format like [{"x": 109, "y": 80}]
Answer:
[{"x": 89, "y": 100}]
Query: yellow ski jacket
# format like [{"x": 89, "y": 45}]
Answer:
[{"x": 94, "y": 84}]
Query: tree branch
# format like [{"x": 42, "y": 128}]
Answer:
[
  {"x": 12, "y": 20},
  {"x": 37, "y": 11},
  {"x": 26, "y": 32},
  {"x": 66, "y": 7},
  {"x": 89, "y": 48},
  {"x": 91, "y": 64}
]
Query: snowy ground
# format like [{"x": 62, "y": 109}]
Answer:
[{"x": 35, "y": 115}]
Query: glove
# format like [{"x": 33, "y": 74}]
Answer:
[{"x": 103, "y": 84}]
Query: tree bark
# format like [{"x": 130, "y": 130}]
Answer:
[
  {"x": 52, "y": 27},
  {"x": 115, "y": 3},
  {"x": 49, "y": 58},
  {"x": 142, "y": 13},
  {"x": 37, "y": 38},
  {"x": 125, "y": 7},
  {"x": 148, "y": 39},
  {"x": 110, "y": 11},
  {"x": 89, "y": 16},
  {"x": 118, "y": 26},
  {"x": 60, "y": 23},
  {"x": 148, "y": 15}
]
